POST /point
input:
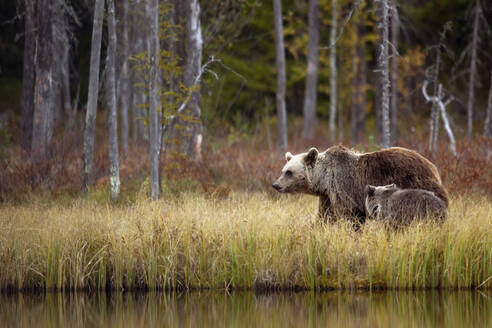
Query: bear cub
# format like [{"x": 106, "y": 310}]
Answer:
[{"x": 399, "y": 207}]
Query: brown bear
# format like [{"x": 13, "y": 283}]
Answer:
[
  {"x": 399, "y": 207},
  {"x": 339, "y": 176}
]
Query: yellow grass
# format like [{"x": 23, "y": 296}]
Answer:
[{"x": 244, "y": 241}]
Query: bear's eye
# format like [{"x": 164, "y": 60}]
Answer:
[{"x": 288, "y": 174}]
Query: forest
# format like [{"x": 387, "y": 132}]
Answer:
[{"x": 139, "y": 140}]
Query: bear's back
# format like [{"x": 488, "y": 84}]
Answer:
[
  {"x": 407, "y": 204},
  {"x": 404, "y": 167}
]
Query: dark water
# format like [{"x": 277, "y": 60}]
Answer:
[{"x": 211, "y": 309}]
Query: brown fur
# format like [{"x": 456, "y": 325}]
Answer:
[
  {"x": 399, "y": 207},
  {"x": 339, "y": 177}
]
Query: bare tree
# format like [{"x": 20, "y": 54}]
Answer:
[
  {"x": 28, "y": 75},
  {"x": 333, "y": 70},
  {"x": 438, "y": 100},
  {"x": 309, "y": 108},
  {"x": 358, "y": 84},
  {"x": 124, "y": 93},
  {"x": 395, "y": 26},
  {"x": 487, "y": 129},
  {"x": 383, "y": 63},
  {"x": 114, "y": 170},
  {"x": 43, "y": 95},
  {"x": 93, "y": 94},
  {"x": 153, "y": 101},
  {"x": 434, "y": 121},
  {"x": 473, "y": 67},
  {"x": 281, "y": 75},
  {"x": 59, "y": 43}
]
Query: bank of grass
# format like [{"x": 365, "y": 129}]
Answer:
[{"x": 242, "y": 241}]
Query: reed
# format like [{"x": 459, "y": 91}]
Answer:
[{"x": 245, "y": 241}]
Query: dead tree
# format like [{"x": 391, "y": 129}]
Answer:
[
  {"x": 28, "y": 76},
  {"x": 93, "y": 94},
  {"x": 383, "y": 63},
  {"x": 333, "y": 70},
  {"x": 434, "y": 121},
  {"x": 395, "y": 26},
  {"x": 281, "y": 75},
  {"x": 114, "y": 169},
  {"x": 358, "y": 84},
  {"x": 441, "y": 105},
  {"x": 154, "y": 150},
  {"x": 43, "y": 95},
  {"x": 309, "y": 108},
  {"x": 125, "y": 92},
  {"x": 473, "y": 67}
]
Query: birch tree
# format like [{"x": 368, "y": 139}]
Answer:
[
  {"x": 395, "y": 26},
  {"x": 43, "y": 95},
  {"x": 473, "y": 67},
  {"x": 281, "y": 75},
  {"x": 93, "y": 94},
  {"x": 153, "y": 101},
  {"x": 194, "y": 48},
  {"x": 114, "y": 170},
  {"x": 28, "y": 76},
  {"x": 333, "y": 70},
  {"x": 309, "y": 108},
  {"x": 125, "y": 92},
  {"x": 383, "y": 63}
]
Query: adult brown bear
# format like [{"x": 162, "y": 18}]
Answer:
[{"x": 339, "y": 176}]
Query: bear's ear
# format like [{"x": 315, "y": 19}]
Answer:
[
  {"x": 311, "y": 156},
  {"x": 370, "y": 190},
  {"x": 288, "y": 156}
]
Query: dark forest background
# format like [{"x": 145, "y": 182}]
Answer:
[{"x": 236, "y": 96}]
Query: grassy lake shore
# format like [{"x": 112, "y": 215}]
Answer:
[{"x": 243, "y": 241}]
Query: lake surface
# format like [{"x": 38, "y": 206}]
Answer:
[{"x": 247, "y": 309}]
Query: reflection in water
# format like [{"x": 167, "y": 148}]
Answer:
[{"x": 246, "y": 309}]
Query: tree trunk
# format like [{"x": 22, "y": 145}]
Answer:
[
  {"x": 43, "y": 99},
  {"x": 27, "y": 101},
  {"x": 281, "y": 75},
  {"x": 93, "y": 94},
  {"x": 333, "y": 71},
  {"x": 434, "y": 122},
  {"x": 154, "y": 150},
  {"x": 363, "y": 100},
  {"x": 67, "y": 98},
  {"x": 124, "y": 93},
  {"x": 473, "y": 69},
  {"x": 447, "y": 126},
  {"x": 395, "y": 26},
  {"x": 309, "y": 108},
  {"x": 193, "y": 126},
  {"x": 114, "y": 169},
  {"x": 384, "y": 69},
  {"x": 358, "y": 85},
  {"x": 60, "y": 38},
  {"x": 487, "y": 131}
]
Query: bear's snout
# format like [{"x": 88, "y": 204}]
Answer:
[{"x": 276, "y": 186}]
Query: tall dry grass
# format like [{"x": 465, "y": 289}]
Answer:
[{"x": 243, "y": 241}]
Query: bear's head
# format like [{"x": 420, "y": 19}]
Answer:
[
  {"x": 294, "y": 177},
  {"x": 375, "y": 196}
]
